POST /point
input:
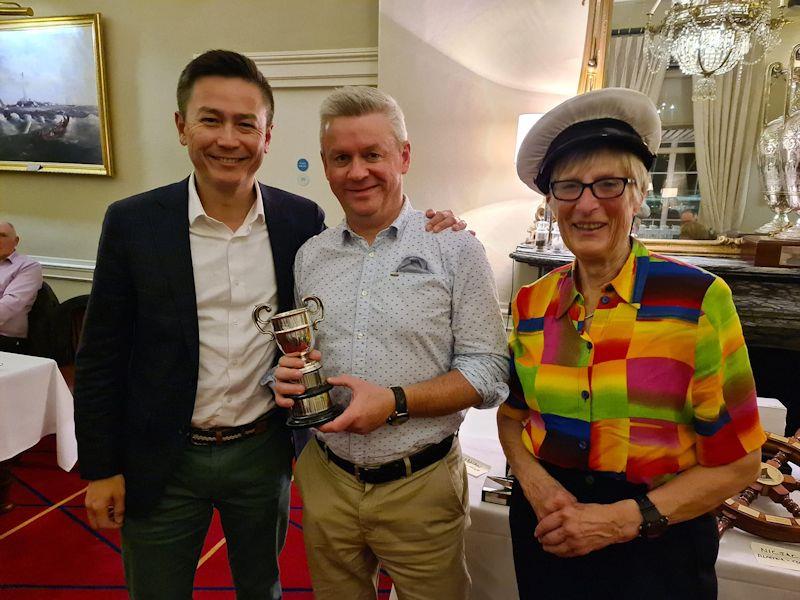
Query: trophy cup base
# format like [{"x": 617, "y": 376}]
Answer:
[
  {"x": 303, "y": 415},
  {"x": 314, "y": 420}
]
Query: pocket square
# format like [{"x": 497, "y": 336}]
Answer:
[{"x": 413, "y": 264}]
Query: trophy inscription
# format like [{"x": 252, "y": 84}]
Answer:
[{"x": 293, "y": 331}]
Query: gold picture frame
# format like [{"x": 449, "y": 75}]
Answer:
[
  {"x": 60, "y": 123},
  {"x": 595, "y": 46},
  {"x": 592, "y": 76}
]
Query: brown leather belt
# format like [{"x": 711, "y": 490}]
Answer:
[
  {"x": 223, "y": 435},
  {"x": 396, "y": 469}
]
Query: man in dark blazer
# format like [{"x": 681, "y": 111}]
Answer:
[
  {"x": 170, "y": 418},
  {"x": 171, "y": 421}
]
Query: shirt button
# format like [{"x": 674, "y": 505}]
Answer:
[
  {"x": 589, "y": 345},
  {"x": 605, "y": 299},
  {"x": 371, "y": 254},
  {"x": 359, "y": 335},
  {"x": 589, "y": 480},
  {"x": 582, "y": 445},
  {"x": 364, "y": 292},
  {"x": 236, "y": 322},
  {"x": 585, "y": 394}
]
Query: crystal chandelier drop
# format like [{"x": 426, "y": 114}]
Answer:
[{"x": 710, "y": 37}]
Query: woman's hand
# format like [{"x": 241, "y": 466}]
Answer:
[
  {"x": 545, "y": 494},
  {"x": 578, "y": 529}
]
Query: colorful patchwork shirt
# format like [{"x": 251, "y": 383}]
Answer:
[{"x": 659, "y": 383}]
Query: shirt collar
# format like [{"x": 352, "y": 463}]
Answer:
[
  {"x": 196, "y": 209},
  {"x": 395, "y": 229},
  {"x": 628, "y": 283}
]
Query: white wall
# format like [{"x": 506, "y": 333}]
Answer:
[{"x": 461, "y": 110}]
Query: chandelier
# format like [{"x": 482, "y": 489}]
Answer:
[{"x": 710, "y": 37}]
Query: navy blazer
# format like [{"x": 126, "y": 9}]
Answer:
[{"x": 137, "y": 364}]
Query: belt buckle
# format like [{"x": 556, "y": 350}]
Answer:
[{"x": 364, "y": 470}]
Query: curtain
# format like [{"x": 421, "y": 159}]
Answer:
[
  {"x": 628, "y": 67},
  {"x": 726, "y": 132}
]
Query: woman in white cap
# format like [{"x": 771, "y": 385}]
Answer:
[{"x": 632, "y": 412}]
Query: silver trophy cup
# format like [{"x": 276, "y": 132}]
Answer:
[{"x": 293, "y": 331}]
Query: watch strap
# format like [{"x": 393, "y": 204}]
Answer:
[
  {"x": 400, "y": 414},
  {"x": 653, "y": 522}
]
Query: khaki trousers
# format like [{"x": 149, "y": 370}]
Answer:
[{"x": 413, "y": 526}]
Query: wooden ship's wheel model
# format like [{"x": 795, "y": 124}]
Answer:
[{"x": 773, "y": 484}]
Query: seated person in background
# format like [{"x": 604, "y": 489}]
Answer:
[
  {"x": 20, "y": 280},
  {"x": 692, "y": 229}
]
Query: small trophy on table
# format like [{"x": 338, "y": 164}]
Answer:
[{"x": 293, "y": 331}]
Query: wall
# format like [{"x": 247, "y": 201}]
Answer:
[
  {"x": 147, "y": 43},
  {"x": 462, "y": 113}
]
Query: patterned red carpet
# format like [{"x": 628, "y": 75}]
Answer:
[{"x": 48, "y": 551}]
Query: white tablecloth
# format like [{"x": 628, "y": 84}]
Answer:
[
  {"x": 34, "y": 402},
  {"x": 488, "y": 541}
]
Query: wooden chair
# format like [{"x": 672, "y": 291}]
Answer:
[
  {"x": 42, "y": 328},
  {"x": 70, "y": 316}
]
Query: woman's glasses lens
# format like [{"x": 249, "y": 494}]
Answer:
[{"x": 604, "y": 189}]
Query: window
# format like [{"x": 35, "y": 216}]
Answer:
[{"x": 675, "y": 186}]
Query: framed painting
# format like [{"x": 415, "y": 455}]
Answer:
[{"x": 53, "y": 102}]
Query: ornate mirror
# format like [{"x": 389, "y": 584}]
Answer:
[{"x": 706, "y": 190}]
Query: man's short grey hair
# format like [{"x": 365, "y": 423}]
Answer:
[
  {"x": 11, "y": 225},
  {"x": 359, "y": 100}
]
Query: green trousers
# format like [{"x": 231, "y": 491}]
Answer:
[{"x": 247, "y": 481}]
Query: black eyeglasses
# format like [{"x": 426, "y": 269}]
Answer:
[{"x": 603, "y": 189}]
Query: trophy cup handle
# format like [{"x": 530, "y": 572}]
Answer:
[
  {"x": 261, "y": 322},
  {"x": 317, "y": 308}
]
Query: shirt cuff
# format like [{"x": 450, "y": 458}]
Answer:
[
  {"x": 268, "y": 379},
  {"x": 488, "y": 378}
]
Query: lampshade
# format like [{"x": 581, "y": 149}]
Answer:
[{"x": 524, "y": 124}]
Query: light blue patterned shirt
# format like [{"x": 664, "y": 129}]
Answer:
[{"x": 409, "y": 308}]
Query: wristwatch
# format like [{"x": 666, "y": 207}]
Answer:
[
  {"x": 654, "y": 523},
  {"x": 400, "y": 414}
]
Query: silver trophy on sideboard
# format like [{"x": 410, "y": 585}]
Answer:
[
  {"x": 293, "y": 331},
  {"x": 772, "y": 177},
  {"x": 790, "y": 145},
  {"x": 769, "y": 153}
]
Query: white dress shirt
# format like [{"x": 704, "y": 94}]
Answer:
[{"x": 233, "y": 272}]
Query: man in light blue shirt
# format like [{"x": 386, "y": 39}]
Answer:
[{"x": 412, "y": 338}]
